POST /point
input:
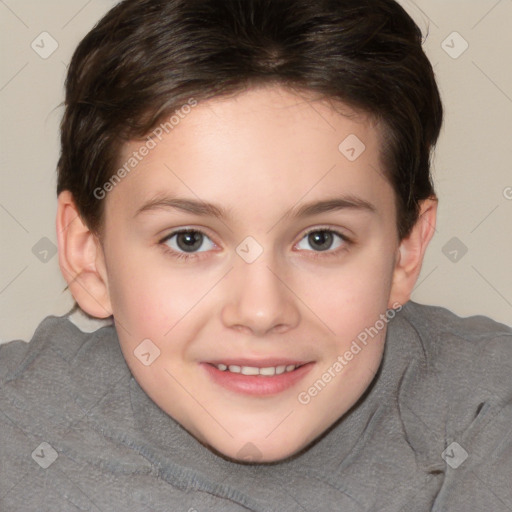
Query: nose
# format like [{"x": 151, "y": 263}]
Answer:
[{"x": 260, "y": 300}]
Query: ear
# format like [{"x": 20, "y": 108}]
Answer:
[
  {"x": 411, "y": 251},
  {"x": 81, "y": 259}
]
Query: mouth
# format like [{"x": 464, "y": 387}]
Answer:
[
  {"x": 264, "y": 377},
  {"x": 266, "y": 371}
]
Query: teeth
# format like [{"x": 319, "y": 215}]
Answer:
[{"x": 252, "y": 370}]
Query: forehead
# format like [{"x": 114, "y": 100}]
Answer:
[
  {"x": 268, "y": 117},
  {"x": 265, "y": 144}
]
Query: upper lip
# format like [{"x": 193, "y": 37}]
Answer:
[{"x": 258, "y": 363}]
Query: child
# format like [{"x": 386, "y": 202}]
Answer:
[{"x": 244, "y": 190}]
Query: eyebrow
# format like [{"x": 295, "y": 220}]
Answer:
[{"x": 203, "y": 208}]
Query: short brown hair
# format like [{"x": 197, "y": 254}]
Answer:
[{"x": 146, "y": 58}]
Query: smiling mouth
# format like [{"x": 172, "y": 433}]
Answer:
[
  {"x": 267, "y": 371},
  {"x": 269, "y": 377}
]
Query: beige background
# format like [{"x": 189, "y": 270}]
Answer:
[{"x": 472, "y": 167}]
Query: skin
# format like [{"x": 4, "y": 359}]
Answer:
[{"x": 260, "y": 155}]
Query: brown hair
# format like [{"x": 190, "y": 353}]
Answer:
[{"x": 147, "y": 58}]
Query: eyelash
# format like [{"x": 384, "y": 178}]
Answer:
[
  {"x": 183, "y": 256},
  {"x": 329, "y": 253}
]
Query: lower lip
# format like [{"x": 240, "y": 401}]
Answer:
[{"x": 256, "y": 384}]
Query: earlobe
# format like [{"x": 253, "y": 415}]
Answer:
[
  {"x": 81, "y": 259},
  {"x": 411, "y": 252}
]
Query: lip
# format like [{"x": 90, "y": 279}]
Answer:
[
  {"x": 257, "y": 385},
  {"x": 258, "y": 363}
]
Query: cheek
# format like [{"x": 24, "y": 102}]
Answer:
[
  {"x": 137, "y": 295},
  {"x": 353, "y": 296},
  {"x": 148, "y": 297}
]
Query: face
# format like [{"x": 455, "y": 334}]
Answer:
[{"x": 247, "y": 255}]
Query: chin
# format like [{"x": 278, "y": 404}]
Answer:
[{"x": 256, "y": 451}]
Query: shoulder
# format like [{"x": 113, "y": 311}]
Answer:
[
  {"x": 469, "y": 344},
  {"x": 467, "y": 362},
  {"x": 55, "y": 337},
  {"x": 468, "y": 353},
  {"x": 459, "y": 384},
  {"x": 442, "y": 320},
  {"x": 47, "y": 385},
  {"x": 17, "y": 354},
  {"x": 58, "y": 361}
]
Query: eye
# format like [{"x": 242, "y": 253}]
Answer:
[
  {"x": 323, "y": 240},
  {"x": 188, "y": 241}
]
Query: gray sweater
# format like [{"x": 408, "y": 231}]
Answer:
[{"x": 433, "y": 432}]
